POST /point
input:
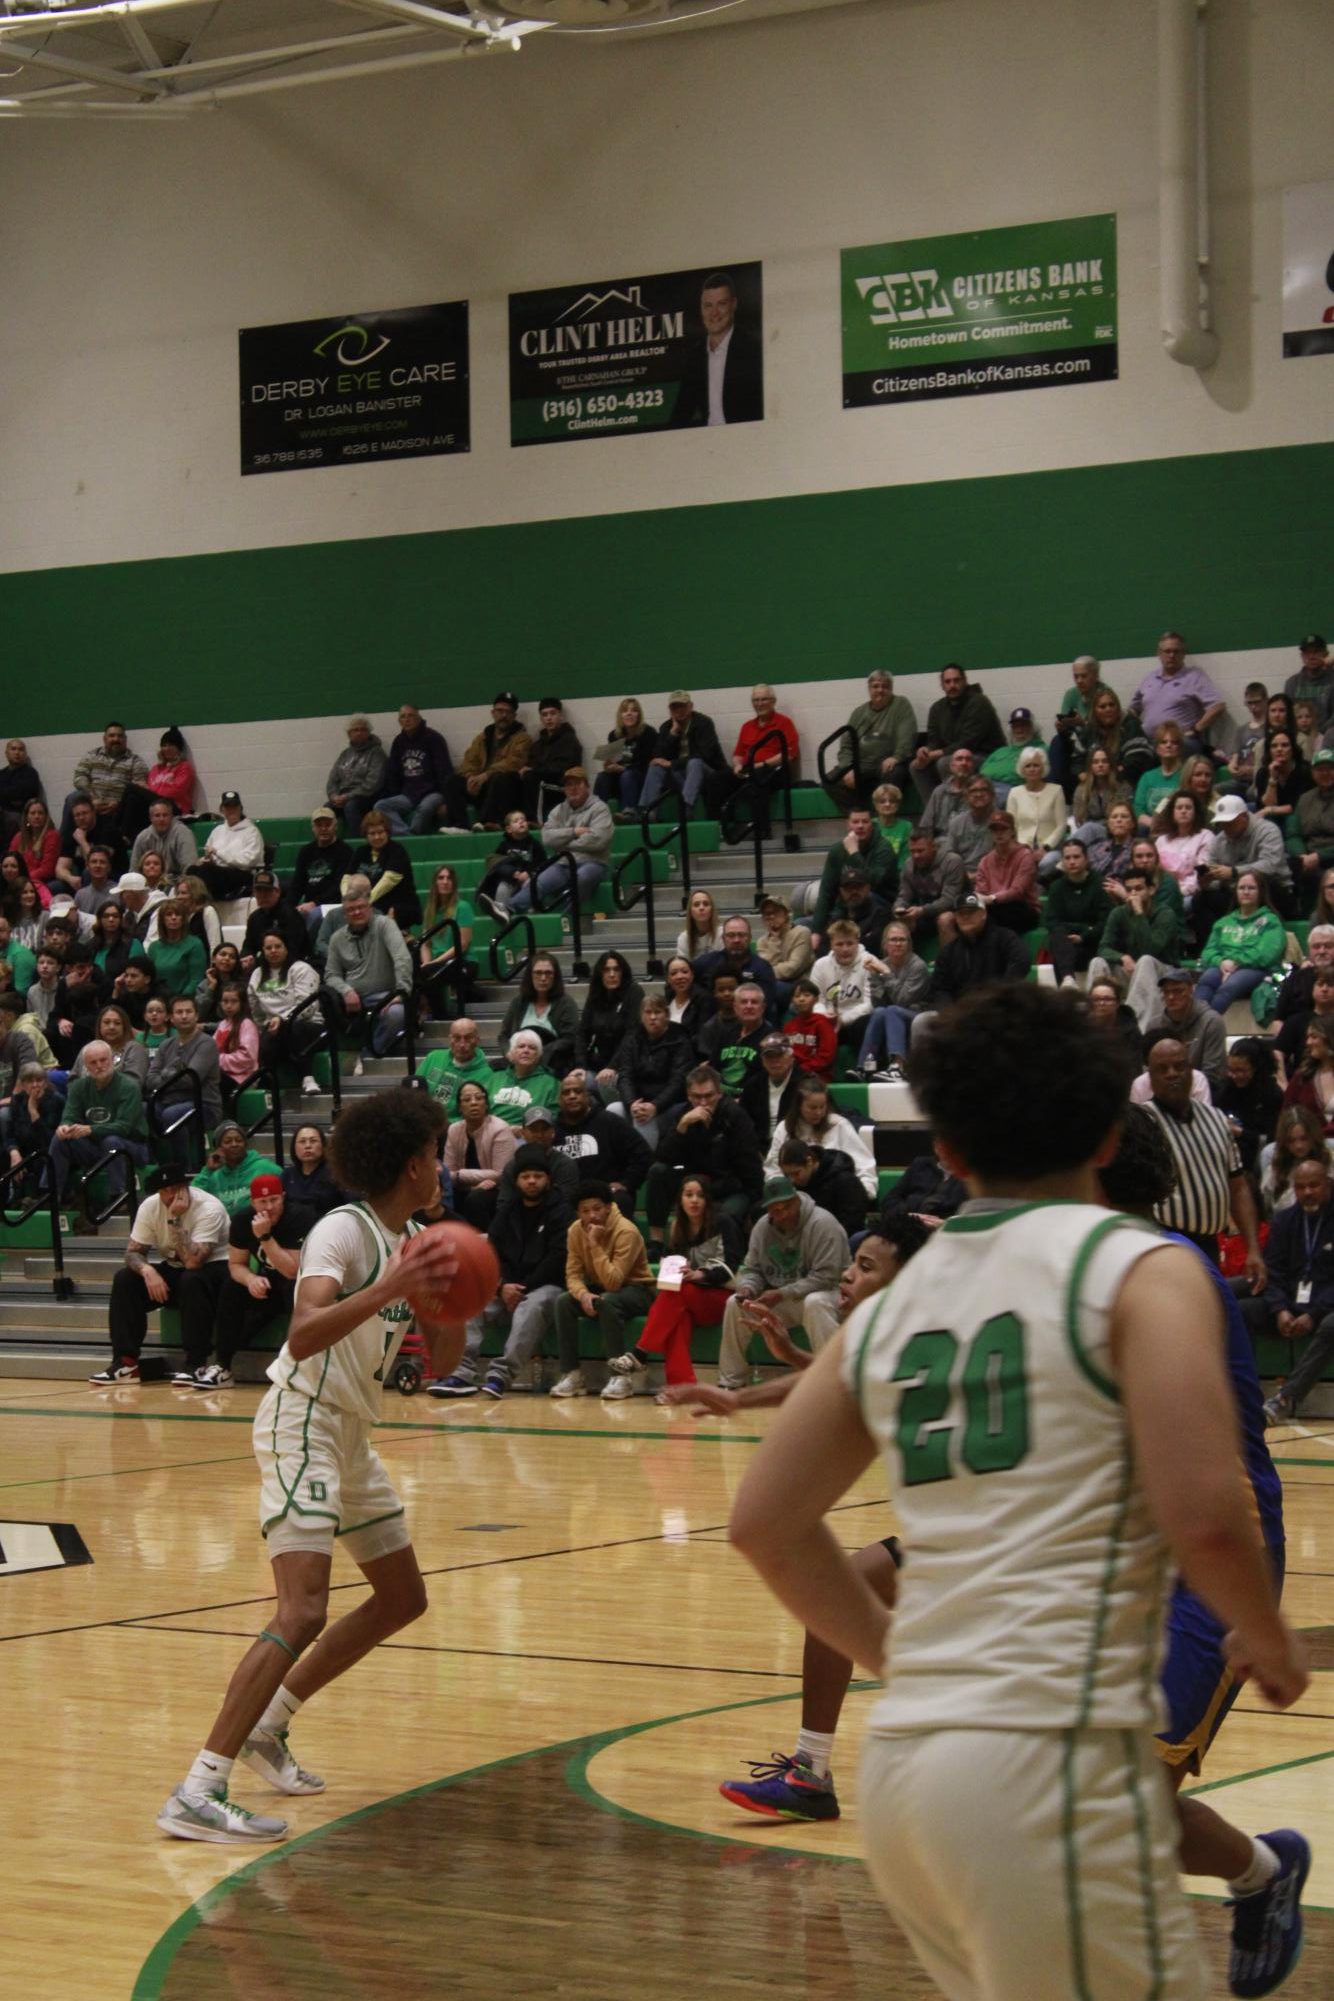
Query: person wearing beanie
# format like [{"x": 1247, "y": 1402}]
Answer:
[
  {"x": 231, "y": 1167},
  {"x": 263, "y": 1251},
  {"x": 528, "y": 1237},
  {"x": 173, "y": 776}
]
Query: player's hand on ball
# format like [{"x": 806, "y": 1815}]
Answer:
[{"x": 448, "y": 1272}]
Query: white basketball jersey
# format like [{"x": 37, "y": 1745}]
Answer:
[
  {"x": 350, "y": 1245},
  {"x": 1033, "y": 1591}
]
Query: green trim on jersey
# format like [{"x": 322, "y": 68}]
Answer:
[
  {"x": 1144, "y": 1857},
  {"x": 860, "y": 1362},
  {"x": 390, "y": 1515},
  {"x": 1104, "y": 1384},
  {"x": 292, "y": 1504},
  {"x": 1074, "y": 1914},
  {"x": 354, "y": 1209},
  {"x": 958, "y": 1224}
]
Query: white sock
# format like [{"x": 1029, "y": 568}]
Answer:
[
  {"x": 814, "y": 1748},
  {"x": 208, "y": 1774},
  {"x": 1265, "y": 1865},
  {"x": 279, "y": 1714}
]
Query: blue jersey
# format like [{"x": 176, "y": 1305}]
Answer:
[{"x": 1249, "y": 1400}]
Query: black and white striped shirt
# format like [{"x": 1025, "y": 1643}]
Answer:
[{"x": 1205, "y": 1154}]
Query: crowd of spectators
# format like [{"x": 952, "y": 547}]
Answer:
[{"x": 1153, "y": 856}]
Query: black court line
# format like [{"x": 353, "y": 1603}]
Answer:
[
  {"x": 359, "y": 1583},
  {"x": 492, "y": 1653}
]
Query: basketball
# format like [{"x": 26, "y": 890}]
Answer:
[{"x": 474, "y": 1283}]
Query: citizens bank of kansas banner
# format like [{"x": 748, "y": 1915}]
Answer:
[
  {"x": 1032, "y": 307},
  {"x": 337, "y": 392},
  {"x": 679, "y": 351}
]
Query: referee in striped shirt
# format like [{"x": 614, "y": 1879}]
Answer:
[{"x": 1211, "y": 1191}]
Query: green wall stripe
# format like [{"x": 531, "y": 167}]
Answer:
[{"x": 1002, "y": 571}]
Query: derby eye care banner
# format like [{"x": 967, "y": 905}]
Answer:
[
  {"x": 364, "y": 386},
  {"x": 1032, "y": 307},
  {"x": 681, "y": 350}
]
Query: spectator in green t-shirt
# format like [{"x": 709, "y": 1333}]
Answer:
[
  {"x": 1164, "y": 777},
  {"x": 179, "y": 959},
  {"x": 445, "y": 1071}
]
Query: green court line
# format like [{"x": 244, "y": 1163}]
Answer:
[
  {"x": 1305, "y": 1462},
  {"x": 153, "y": 1972},
  {"x": 1263, "y": 1772},
  {"x": 120, "y": 1472},
  {"x": 399, "y": 1424}
]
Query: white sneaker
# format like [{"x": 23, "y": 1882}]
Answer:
[
  {"x": 617, "y": 1387},
  {"x": 186, "y": 1379},
  {"x": 358, "y": 1068},
  {"x": 268, "y": 1752},
  {"x": 310, "y": 1087},
  {"x": 213, "y": 1377},
  {"x": 572, "y": 1385},
  {"x": 216, "y": 1818}
]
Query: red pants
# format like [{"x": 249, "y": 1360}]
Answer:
[{"x": 672, "y": 1319}]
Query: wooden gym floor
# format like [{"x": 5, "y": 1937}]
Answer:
[{"x": 522, "y": 1788}]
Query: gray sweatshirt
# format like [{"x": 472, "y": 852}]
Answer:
[
  {"x": 559, "y": 837},
  {"x": 811, "y": 1260},
  {"x": 360, "y": 771},
  {"x": 169, "y": 1063},
  {"x": 178, "y": 848},
  {"x": 373, "y": 961}
]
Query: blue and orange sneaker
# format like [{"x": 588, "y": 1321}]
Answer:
[
  {"x": 785, "y": 1790},
  {"x": 1267, "y": 1927}
]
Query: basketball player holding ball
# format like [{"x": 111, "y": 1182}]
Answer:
[{"x": 366, "y": 1273}]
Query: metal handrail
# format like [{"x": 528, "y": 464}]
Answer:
[
  {"x": 427, "y": 978},
  {"x": 844, "y": 732},
  {"x": 62, "y": 1285},
  {"x": 746, "y": 790},
  {"x": 129, "y": 1201},
  {"x": 624, "y": 901},
  {"x": 579, "y": 966},
  {"x": 519, "y": 920},
  {"x": 327, "y": 1041},
  {"x": 159, "y": 1125}
]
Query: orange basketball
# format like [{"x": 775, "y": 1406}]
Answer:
[{"x": 473, "y": 1285}]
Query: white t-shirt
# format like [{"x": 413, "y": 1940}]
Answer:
[
  {"x": 1034, "y": 1591},
  {"x": 350, "y": 1245},
  {"x": 205, "y": 1221}
]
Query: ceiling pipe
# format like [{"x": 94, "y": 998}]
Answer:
[{"x": 1183, "y": 194}]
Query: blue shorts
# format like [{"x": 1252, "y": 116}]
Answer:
[{"x": 1197, "y": 1683}]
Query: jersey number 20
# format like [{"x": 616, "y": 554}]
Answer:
[{"x": 994, "y": 1388}]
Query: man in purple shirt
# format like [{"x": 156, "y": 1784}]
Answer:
[{"x": 1176, "y": 693}]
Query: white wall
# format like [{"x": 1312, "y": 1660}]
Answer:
[{"x": 131, "y": 256}]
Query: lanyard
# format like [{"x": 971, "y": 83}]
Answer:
[{"x": 1311, "y": 1228}]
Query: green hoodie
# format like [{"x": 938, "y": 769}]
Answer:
[
  {"x": 511, "y": 1094},
  {"x": 231, "y": 1185},
  {"x": 1258, "y": 940},
  {"x": 443, "y": 1077},
  {"x": 117, "y": 1109}
]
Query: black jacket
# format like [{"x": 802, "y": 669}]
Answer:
[
  {"x": 700, "y": 740},
  {"x": 604, "y": 1024},
  {"x": 552, "y": 756},
  {"x": 834, "y": 1187},
  {"x": 725, "y": 1149},
  {"x": 564, "y": 1183},
  {"x": 743, "y": 382},
  {"x": 655, "y": 1070},
  {"x": 530, "y": 1243},
  {"x": 288, "y": 923},
  {"x": 1287, "y": 1262},
  {"x": 318, "y": 875},
  {"x": 557, "y": 1032},
  {"x": 752, "y": 968},
  {"x": 925, "y": 1189},
  {"x": 401, "y": 902},
  {"x": 605, "y": 1148},
  {"x": 966, "y": 963}
]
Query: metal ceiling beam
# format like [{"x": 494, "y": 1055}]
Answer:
[
  {"x": 338, "y": 72},
  {"x": 85, "y": 17},
  {"x": 139, "y": 42},
  {"x": 107, "y": 79}
]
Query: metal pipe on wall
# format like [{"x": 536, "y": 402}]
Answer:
[{"x": 1183, "y": 201}]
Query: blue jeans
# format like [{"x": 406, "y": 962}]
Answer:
[
  {"x": 687, "y": 779},
  {"x": 113, "y": 1152},
  {"x": 887, "y": 1033},
  {"x": 624, "y": 786},
  {"x": 553, "y": 886},
  {"x": 408, "y": 817},
  {"x": 1212, "y": 990}
]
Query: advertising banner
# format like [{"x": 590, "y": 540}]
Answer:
[
  {"x": 1308, "y": 270},
  {"x": 678, "y": 351},
  {"x": 347, "y": 390},
  {"x": 1031, "y": 307}
]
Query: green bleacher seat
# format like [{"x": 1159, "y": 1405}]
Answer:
[{"x": 852, "y": 1099}]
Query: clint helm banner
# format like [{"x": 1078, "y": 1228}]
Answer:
[
  {"x": 347, "y": 390},
  {"x": 678, "y": 351},
  {"x": 1032, "y": 307}
]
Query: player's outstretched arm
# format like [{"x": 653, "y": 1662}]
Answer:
[
  {"x": 818, "y": 1446},
  {"x": 706, "y": 1399},
  {"x": 1168, "y": 1348}
]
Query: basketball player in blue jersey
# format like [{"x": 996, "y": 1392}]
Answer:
[
  {"x": 320, "y": 1478},
  {"x": 1047, "y": 1387}
]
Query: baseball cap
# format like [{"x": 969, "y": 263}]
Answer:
[
  {"x": 1230, "y": 807},
  {"x": 170, "y": 1177},
  {"x": 267, "y": 1184},
  {"x": 264, "y": 878},
  {"x": 771, "y": 900},
  {"x": 1322, "y": 757},
  {"x": 1314, "y": 642},
  {"x": 971, "y": 903},
  {"x": 505, "y": 696},
  {"x": 677, "y": 695},
  {"x": 1021, "y": 715},
  {"x": 1176, "y": 976},
  {"x": 778, "y": 1189},
  {"x": 852, "y": 875},
  {"x": 576, "y": 775},
  {"x": 775, "y": 1044},
  {"x": 537, "y": 1115},
  {"x": 323, "y": 813},
  {"x": 132, "y": 880},
  {"x": 230, "y": 799}
]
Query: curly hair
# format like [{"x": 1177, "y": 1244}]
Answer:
[
  {"x": 376, "y": 1137},
  {"x": 1012, "y": 1080},
  {"x": 1142, "y": 1172}
]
